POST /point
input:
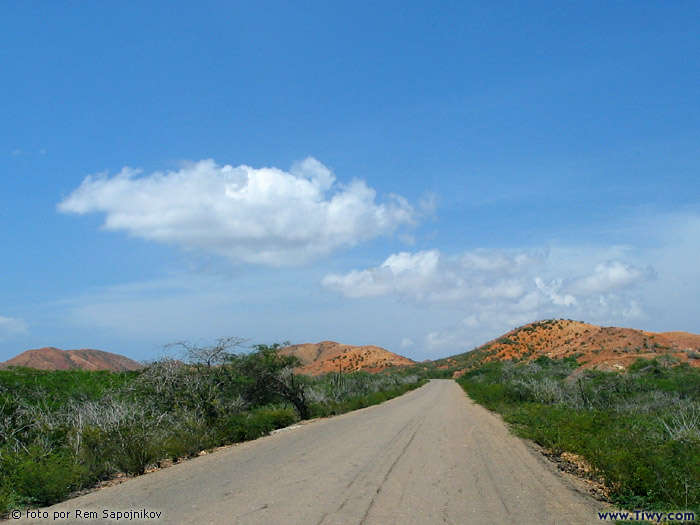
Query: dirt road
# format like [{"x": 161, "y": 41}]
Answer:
[{"x": 430, "y": 456}]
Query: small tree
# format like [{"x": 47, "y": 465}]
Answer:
[
  {"x": 211, "y": 355},
  {"x": 207, "y": 383},
  {"x": 269, "y": 375}
]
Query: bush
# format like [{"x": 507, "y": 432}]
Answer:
[
  {"x": 256, "y": 423},
  {"x": 130, "y": 449},
  {"x": 188, "y": 436},
  {"x": 38, "y": 477},
  {"x": 349, "y": 404}
]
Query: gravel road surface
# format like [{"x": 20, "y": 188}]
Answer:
[{"x": 430, "y": 456}]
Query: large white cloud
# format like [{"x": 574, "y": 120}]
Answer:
[{"x": 263, "y": 216}]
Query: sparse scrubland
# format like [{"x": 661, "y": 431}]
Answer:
[
  {"x": 639, "y": 430},
  {"x": 62, "y": 431}
]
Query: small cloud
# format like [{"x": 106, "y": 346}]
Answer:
[
  {"x": 10, "y": 326},
  {"x": 17, "y": 152},
  {"x": 400, "y": 274},
  {"x": 609, "y": 277},
  {"x": 428, "y": 204},
  {"x": 551, "y": 290},
  {"x": 407, "y": 239},
  {"x": 406, "y": 343}
]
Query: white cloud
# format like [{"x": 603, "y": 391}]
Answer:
[
  {"x": 608, "y": 277},
  {"x": 496, "y": 291},
  {"x": 484, "y": 277},
  {"x": 402, "y": 273},
  {"x": 406, "y": 342},
  {"x": 431, "y": 276},
  {"x": 12, "y": 326},
  {"x": 551, "y": 290},
  {"x": 262, "y": 216}
]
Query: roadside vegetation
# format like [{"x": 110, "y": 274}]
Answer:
[
  {"x": 63, "y": 431},
  {"x": 639, "y": 430}
]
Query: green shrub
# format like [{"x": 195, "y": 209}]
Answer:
[
  {"x": 256, "y": 423},
  {"x": 37, "y": 477},
  {"x": 188, "y": 436},
  {"x": 130, "y": 448},
  {"x": 134, "y": 449}
]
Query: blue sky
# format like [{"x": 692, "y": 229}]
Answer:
[{"x": 420, "y": 176}]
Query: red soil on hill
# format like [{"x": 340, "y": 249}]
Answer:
[
  {"x": 328, "y": 356},
  {"x": 50, "y": 358}
]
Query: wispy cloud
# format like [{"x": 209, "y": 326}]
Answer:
[
  {"x": 10, "y": 326},
  {"x": 255, "y": 215},
  {"x": 142, "y": 316}
]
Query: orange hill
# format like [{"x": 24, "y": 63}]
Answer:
[
  {"x": 328, "y": 356},
  {"x": 602, "y": 348},
  {"x": 51, "y": 358}
]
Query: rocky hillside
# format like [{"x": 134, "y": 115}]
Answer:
[
  {"x": 51, "y": 358},
  {"x": 602, "y": 348},
  {"x": 328, "y": 356}
]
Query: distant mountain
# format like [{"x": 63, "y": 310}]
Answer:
[
  {"x": 328, "y": 356},
  {"x": 598, "y": 347},
  {"x": 51, "y": 358}
]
